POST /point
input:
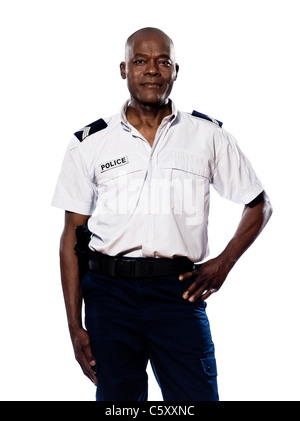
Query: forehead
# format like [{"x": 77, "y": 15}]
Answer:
[{"x": 150, "y": 44}]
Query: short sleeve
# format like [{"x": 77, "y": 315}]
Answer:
[
  {"x": 233, "y": 176},
  {"x": 74, "y": 191}
]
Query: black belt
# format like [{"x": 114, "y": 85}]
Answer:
[{"x": 130, "y": 267}]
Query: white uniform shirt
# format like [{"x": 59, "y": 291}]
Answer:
[{"x": 153, "y": 201}]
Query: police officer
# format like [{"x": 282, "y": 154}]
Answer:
[{"x": 147, "y": 171}]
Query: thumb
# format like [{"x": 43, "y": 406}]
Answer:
[{"x": 184, "y": 276}]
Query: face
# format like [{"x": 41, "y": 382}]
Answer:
[{"x": 150, "y": 68}]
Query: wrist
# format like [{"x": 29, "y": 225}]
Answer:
[
  {"x": 74, "y": 326},
  {"x": 228, "y": 260}
]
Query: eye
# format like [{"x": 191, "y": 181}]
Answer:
[
  {"x": 139, "y": 61},
  {"x": 165, "y": 62}
]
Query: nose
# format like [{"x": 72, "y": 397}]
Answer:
[{"x": 152, "y": 69}]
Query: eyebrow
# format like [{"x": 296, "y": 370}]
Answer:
[{"x": 146, "y": 55}]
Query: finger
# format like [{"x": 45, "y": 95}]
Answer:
[
  {"x": 89, "y": 371},
  {"x": 87, "y": 361},
  {"x": 90, "y": 364},
  {"x": 93, "y": 364},
  {"x": 86, "y": 347},
  {"x": 94, "y": 368},
  {"x": 197, "y": 293},
  {"x": 206, "y": 294},
  {"x": 186, "y": 275},
  {"x": 201, "y": 290},
  {"x": 93, "y": 373},
  {"x": 192, "y": 289}
]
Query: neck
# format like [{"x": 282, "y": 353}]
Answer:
[{"x": 145, "y": 115}]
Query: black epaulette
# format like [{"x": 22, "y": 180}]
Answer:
[
  {"x": 94, "y": 127},
  {"x": 207, "y": 117}
]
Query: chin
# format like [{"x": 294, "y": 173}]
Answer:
[
  {"x": 154, "y": 102},
  {"x": 151, "y": 98}
]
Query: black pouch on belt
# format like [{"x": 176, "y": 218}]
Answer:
[{"x": 83, "y": 236}]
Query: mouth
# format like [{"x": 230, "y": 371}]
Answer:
[{"x": 151, "y": 85}]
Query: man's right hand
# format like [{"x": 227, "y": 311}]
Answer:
[{"x": 83, "y": 353}]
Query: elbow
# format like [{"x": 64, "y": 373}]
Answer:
[
  {"x": 262, "y": 204},
  {"x": 62, "y": 249},
  {"x": 64, "y": 245},
  {"x": 261, "y": 207},
  {"x": 268, "y": 208},
  {"x": 61, "y": 246}
]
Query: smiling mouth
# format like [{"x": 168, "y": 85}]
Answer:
[{"x": 151, "y": 85}]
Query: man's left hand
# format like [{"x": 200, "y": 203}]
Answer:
[{"x": 208, "y": 279}]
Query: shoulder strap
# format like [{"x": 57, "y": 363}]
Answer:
[
  {"x": 92, "y": 128},
  {"x": 207, "y": 117}
]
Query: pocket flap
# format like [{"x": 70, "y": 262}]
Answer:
[
  {"x": 187, "y": 163},
  {"x": 209, "y": 366}
]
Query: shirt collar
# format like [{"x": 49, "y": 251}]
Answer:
[{"x": 126, "y": 125}]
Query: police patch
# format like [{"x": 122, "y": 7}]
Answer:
[{"x": 118, "y": 162}]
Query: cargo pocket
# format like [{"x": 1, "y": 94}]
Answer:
[{"x": 209, "y": 366}]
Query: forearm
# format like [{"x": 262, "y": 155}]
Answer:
[
  {"x": 71, "y": 288},
  {"x": 70, "y": 271},
  {"x": 253, "y": 221},
  {"x": 211, "y": 275},
  {"x": 70, "y": 283}
]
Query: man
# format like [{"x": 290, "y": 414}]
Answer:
[{"x": 148, "y": 170}]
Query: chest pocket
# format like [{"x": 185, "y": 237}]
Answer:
[
  {"x": 189, "y": 178},
  {"x": 118, "y": 187}
]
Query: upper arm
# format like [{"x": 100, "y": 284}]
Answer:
[
  {"x": 72, "y": 219},
  {"x": 259, "y": 199}
]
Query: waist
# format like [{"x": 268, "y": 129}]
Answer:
[{"x": 138, "y": 267}]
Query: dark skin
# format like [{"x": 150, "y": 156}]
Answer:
[
  {"x": 72, "y": 294},
  {"x": 150, "y": 70},
  {"x": 212, "y": 274}
]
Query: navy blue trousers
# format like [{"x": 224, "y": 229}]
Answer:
[{"x": 133, "y": 321}]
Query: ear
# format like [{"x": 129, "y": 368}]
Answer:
[
  {"x": 123, "y": 70},
  {"x": 177, "y": 70}
]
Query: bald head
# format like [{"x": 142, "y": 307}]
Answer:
[{"x": 148, "y": 34}]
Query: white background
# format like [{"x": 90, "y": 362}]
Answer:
[{"x": 239, "y": 62}]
